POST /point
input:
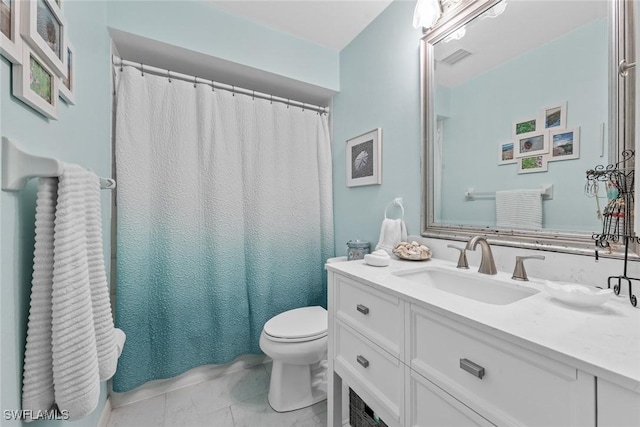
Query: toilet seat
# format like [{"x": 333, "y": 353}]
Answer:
[{"x": 298, "y": 325}]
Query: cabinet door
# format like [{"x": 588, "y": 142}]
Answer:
[
  {"x": 617, "y": 406},
  {"x": 429, "y": 405}
]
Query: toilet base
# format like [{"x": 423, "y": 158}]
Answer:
[{"x": 297, "y": 386}]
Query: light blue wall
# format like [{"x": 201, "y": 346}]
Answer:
[
  {"x": 481, "y": 112},
  {"x": 81, "y": 135},
  {"x": 212, "y": 31},
  {"x": 379, "y": 87}
]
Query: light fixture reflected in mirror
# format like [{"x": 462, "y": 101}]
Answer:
[
  {"x": 495, "y": 11},
  {"x": 426, "y": 13},
  {"x": 456, "y": 35}
]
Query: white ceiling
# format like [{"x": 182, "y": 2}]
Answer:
[{"x": 329, "y": 23}]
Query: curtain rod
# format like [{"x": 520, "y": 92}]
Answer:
[{"x": 119, "y": 62}]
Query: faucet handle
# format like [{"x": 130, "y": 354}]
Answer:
[
  {"x": 519, "y": 273},
  {"x": 462, "y": 259}
]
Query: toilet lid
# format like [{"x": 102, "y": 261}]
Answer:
[{"x": 305, "y": 322}]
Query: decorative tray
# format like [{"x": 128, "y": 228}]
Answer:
[{"x": 578, "y": 295}]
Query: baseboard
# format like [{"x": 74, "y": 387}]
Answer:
[
  {"x": 106, "y": 413},
  {"x": 189, "y": 378}
]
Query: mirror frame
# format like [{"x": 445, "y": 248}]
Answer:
[{"x": 621, "y": 130}]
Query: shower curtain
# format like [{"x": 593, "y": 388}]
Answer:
[{"x": 225, "y": 219}]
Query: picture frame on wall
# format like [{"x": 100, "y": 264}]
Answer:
[
  {"x": 528, "y": 125},
  {"x": 533, "y": 164},
  {"x": 10, "y": 40},
  {"x": 36, "y": 84},
  {"x": 555, "y": 116},
  {"x": 506, "y": 153},
  {"x": 364, "y": 159},
  {"x": 67, "y": 84},
  {"x": 531, "y": 143},
  {"x": 43, "y": 28},
  {"x": 565, "y": 144}
]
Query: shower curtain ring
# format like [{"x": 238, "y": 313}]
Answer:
[
  {"x": 195, "y": 80},
  {"x": 169, "y": 75},
  {"x": 288, "y": 103},
  {"x": 253, "y": 95},
  {"x": 142, "y": 69},
  {"x": 233, "y": 90},
  {"x": 213, "y": 86},
  {"x": 121, "y": 64},
  {"x": 271, "y": 102}
]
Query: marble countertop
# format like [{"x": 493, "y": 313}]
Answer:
[{"x": 603, "y": 341}]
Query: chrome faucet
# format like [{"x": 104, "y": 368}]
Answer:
[{"x": 487, "y": 265}]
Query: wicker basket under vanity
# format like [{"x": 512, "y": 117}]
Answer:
[{"x": 360, "y": 415}]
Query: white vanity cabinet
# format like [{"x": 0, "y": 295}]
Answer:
[{"x": 417, "y": 366}]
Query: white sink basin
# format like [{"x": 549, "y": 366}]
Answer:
[{"x": 470, "y": 284}]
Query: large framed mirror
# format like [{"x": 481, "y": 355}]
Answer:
[{"x": 522, "y": 97}]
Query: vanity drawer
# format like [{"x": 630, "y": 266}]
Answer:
[
  {"x": 429, "y": 405},
  {"x": 379, "y": 316},
  {"x": 501, "y": 381},
  {"x": 372, "y": 372}
]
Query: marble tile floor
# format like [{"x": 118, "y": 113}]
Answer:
[{"x": 238, "y": 399}]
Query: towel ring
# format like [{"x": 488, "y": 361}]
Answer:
[{"x": 394, "y": 203}]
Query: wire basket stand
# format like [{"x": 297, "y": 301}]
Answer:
[{"x": 617, "y": 224}]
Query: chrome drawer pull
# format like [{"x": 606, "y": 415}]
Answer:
[
  {"x": 472, "y": 368},
  {"x": 364, "y": 362},
  {"x": 362, "y": 309}
]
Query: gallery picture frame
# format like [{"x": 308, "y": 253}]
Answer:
[
  {"x": 36, "y": 84},
  {"x": 533, "y": 164},
  {"x": 67, "y": 84},
  {"x": 506, "y": 153},
  {"x": 51, "y": 25},
  {"x": 555, "y": 116},
  {"x": 565, "y": 144},
  {"x": 10, "y": 40},
  {"x": 526, "y": 125},
  {"x": 364, "y": 159},
  {"x": 531, "y": 143}
]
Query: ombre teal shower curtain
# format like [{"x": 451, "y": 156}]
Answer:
[{"x": 225, "y": 218}]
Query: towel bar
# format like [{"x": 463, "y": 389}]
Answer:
[
  {"x": 19, "y": 167},
  {"x": 546, "y": 192}
]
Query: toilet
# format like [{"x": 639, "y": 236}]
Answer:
[{"x": 296, "y": 340}]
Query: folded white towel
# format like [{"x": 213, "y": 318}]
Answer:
[
  {"x": 519, "y": 209},
  {"x": 74, "y": 347},
  {"x": 392, "y": 232}
]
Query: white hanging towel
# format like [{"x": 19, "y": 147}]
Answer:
[
  {"x": 519, "y": 209},
  {"x": 392, "y": 232},
  {"x": 72, "y": 344}
]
